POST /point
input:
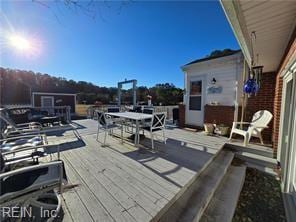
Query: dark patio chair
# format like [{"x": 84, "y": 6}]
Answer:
[
  {"x": 157, "y": 123},
  {"x": 113, "y": 109},
  {"x": 107, "y": 125}
]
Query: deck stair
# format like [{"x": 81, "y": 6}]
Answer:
[
  {"x": 259, "y": 157},
  {"x": 223, "y": 203},
  {"x": 203, "y": 191},
  {"x": 254, "y": 149}
]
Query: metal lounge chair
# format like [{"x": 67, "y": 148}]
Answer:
[
  {"x": 24, "y": 187},
  {"x": 106, "y": 125},
  {"x": 13, "y": 129},
  {"x": 157, "y": 123},
  {"x": 13, "y": 143},
  {"x": 26, "y": 155},
  {"x": 259, "y": 122}
]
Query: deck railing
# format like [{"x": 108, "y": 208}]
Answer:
[
  {"x": 88, "y": 110},
  {"x": 62, "y": 111}
]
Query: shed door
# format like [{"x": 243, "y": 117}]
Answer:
[
  {"x": 195, "y": 104},
  {"x": 47, "y": 101}
]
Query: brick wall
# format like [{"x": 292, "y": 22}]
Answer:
[
  {"x": 277, "y": 112},
  {"x": 290, "y": 53},
  {"x": 219, "y": 114},
  {"x": 264, "y": 100},
  {"x": 181, "y": 115}
]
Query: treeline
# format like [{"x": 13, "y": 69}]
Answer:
[{"x": 17, "y": 85}]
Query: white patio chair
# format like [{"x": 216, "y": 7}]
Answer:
[
  {"x": 259, "y": 122},
  {"x": 107, "y": 125},
  {"x": 157, "y": 123}
]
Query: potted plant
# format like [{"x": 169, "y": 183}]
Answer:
[
  {"x": 224, "y": 130},
  {"x": 209, "y": 128}
]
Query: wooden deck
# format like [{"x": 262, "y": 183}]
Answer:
[{"x": 124, "y": 183}]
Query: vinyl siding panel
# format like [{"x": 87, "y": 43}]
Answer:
[{"x": 226, "y": 71}]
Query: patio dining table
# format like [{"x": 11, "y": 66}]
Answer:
[{"x": 132, "y": 116}]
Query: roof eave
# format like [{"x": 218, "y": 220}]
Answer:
[
  {"x": 237, "y": 23},
  {"x": 184, "y": 67}
]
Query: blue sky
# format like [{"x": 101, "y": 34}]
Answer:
[{"x": 147, "y": 41}]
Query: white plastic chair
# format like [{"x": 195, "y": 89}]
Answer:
[{"x": 259, "y": 122}]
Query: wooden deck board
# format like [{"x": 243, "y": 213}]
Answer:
[
  {"x": 102, "y": 194},
  {"x": 86, "y": 197},
  {"x": 124, "y": 183},
  {"x": 138, "y": 170},
  {"x": 117, "y": 188},
  {"x": 124, "y": 176}
]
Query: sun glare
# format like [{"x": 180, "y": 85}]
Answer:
[
  {"x": 28, "y": 46},
  {"x": 20, "y": 43}
]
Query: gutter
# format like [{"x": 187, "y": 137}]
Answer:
[{"x": 234, "y": 16}]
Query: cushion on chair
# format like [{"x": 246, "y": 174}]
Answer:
[
  {"x": 2, "y": 163},
  {"x": 35, "y": 141},
  {"x": 26, "y": 182},
  {"x": 148, "y": 128},
  {"x": 113, "y": 110},
  {"x": 21, "y": 181}
]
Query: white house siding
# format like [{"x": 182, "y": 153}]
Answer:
[{"x": 228, "y": 73}]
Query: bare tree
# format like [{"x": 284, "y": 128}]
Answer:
[{"x": 90, "y": 8}]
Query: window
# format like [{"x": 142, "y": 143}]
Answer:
[
  {"x": 195, "y": 100},
  {"x": 195, "y": 88}
]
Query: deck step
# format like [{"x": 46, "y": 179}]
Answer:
[
  {"x": 223, "y": 204},
  {"x": 191, "y": 205},
  {"x": 264, "y": 169},
  {"x": 259, "y": 160},
  {"x": 255, "y": 149},
  {"x": 206, "y": 187}
]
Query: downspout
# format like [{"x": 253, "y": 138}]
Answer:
[
  {"x": 235, "y": 117},
  {"x": 244, "y": 97},
  {"x": 185, "y": 88}
]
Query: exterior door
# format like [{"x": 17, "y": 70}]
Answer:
[
  {"x": 291, "y": 168},
  {"x": 195, "y": 104},
  {"x": 47, "y": 101},
  {"x": 288, "y": 132},
  {"x": 293, "y": 153},
  {"x": 47, "y": 104}
]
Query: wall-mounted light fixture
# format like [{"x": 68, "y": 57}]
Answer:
[{"x": 213, "y": 81}]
